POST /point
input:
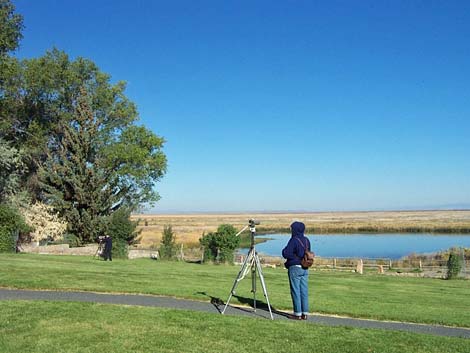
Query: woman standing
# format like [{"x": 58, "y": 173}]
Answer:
[{"x": 298, "y": 276}]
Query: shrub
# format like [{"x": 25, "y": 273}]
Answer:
[
  {"x": 10, "y": 221},
  {"x": 7, "y": 243},
  {"x": 123, "y": 232},
  {"x": 47, "y": 224},
  {"x": 120, "y": 249},
  {"x": 72, "y": 240},
  {"x": 454, "y": 265},
  {"x": 220, "y": 246},
  {"x": 121, "y": 227},
  {"x": 168, "y": 243}
]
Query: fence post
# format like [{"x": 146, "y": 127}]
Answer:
[
  {"x": 360, "y": 267},
  {"x": 463, "y": 271}
]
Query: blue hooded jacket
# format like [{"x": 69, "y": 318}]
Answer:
[{"x": 294, "y": 251}]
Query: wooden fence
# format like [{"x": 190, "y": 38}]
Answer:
[{"x": 418, "y": 267}]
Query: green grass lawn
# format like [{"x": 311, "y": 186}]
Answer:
[
  {"x": 369, "y": 296},
  {"x": 45, "y": 327}
]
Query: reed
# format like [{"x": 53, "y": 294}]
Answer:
[{"x": 188, "y": 228}]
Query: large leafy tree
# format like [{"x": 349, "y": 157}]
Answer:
[
  {"x": 11, "y": 25},
  {"x": 11, "y": 163},
  {"x": 41, "y": 97},
  {"x": 75, "y": 133},
  {"x": 92, "y": 170}
]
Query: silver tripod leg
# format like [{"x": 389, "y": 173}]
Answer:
[
  {"x": 243, "y": 271},
  {"x": 263, "y": 284},
  {"x": 252, "y": 261}
]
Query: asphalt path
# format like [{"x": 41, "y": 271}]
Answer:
[{"x": 216, "y": 306}]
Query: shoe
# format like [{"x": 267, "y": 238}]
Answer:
[
  {"x": 303, "y": 317},
  {"x": 295, "y": 317}
]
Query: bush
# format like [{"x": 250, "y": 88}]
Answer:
[
  {"x": 121, "y": 227},
  {"x": 72, "y": 240},
  {"x": 123, "y": 232},
  {"x": 454, "y": 265},
  {"x": 120, "y": 249},
  {"x": 7, "y": 243},
  {"x": 10, "y": 222},
  {"x": 220, "y": 246},
  {"x": 168, "y": 243},
  {"x": 47, "y": 224}
]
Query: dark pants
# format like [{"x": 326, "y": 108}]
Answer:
[{"x": 107, "y": 254}]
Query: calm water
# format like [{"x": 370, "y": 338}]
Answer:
[{"x": 392, "y": 246}]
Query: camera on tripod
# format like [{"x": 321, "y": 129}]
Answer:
[
  {"x": 101, "y": 243},
  {"x": 252, "y": 223},
  {"x": 252, "y": 262}
]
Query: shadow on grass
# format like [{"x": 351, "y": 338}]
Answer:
[
  {"x": 219, "y": 304},
  {"x": 260, "y": 305}
]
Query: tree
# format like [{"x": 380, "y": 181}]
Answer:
[
  {"x": 120, "y": 226},
  {"x": 69, "y": 178},
  {"x": 123, "y": 231},
  {"x": 11, "y": 25},
  {"x": 89, "y": 173},
  {"x": 46, "y": 223},
  {"x": 81, "y": 150},
  {"x": 221, "y": 244},
  {"x": 11, "y": 222},
  {"x": 168, "y": 243},
  {"x": 11, "y": 159},
  {"x": 40, "y": 97},
  {"x": 11, "y": 168},
  {"x": 454, "y": 265}
]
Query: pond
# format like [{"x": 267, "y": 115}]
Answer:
[{"x": 393, "y": 246}]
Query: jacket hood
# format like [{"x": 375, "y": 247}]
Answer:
[{"x": 298, "y": 229}]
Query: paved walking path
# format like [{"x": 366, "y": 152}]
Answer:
[{"x": 215, "y": 306}]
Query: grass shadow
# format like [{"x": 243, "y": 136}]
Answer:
[
  {"x": 217, "y": 302},
  {"x": 260, "y": 305}
]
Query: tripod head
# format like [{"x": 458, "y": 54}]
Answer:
[{"x": 252, "y": 225}]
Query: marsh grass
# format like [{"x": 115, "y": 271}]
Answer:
[{"x": 190, "y": 227}]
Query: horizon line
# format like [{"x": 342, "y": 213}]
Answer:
[{"x": 431, "y": 209}]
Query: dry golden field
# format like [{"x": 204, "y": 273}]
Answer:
[{"x": 188, "y": 228}]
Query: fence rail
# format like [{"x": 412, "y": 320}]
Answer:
[{"x": 427, "y": 267}]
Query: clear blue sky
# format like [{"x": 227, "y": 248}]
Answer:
[{"x": 285, "y": 105}]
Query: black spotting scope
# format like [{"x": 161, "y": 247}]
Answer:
[{"x": 253, "y": 222}]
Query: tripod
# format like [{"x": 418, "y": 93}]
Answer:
[
  {"x": 251, "y": 262},
  {"x": 99, "y": 250}
]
